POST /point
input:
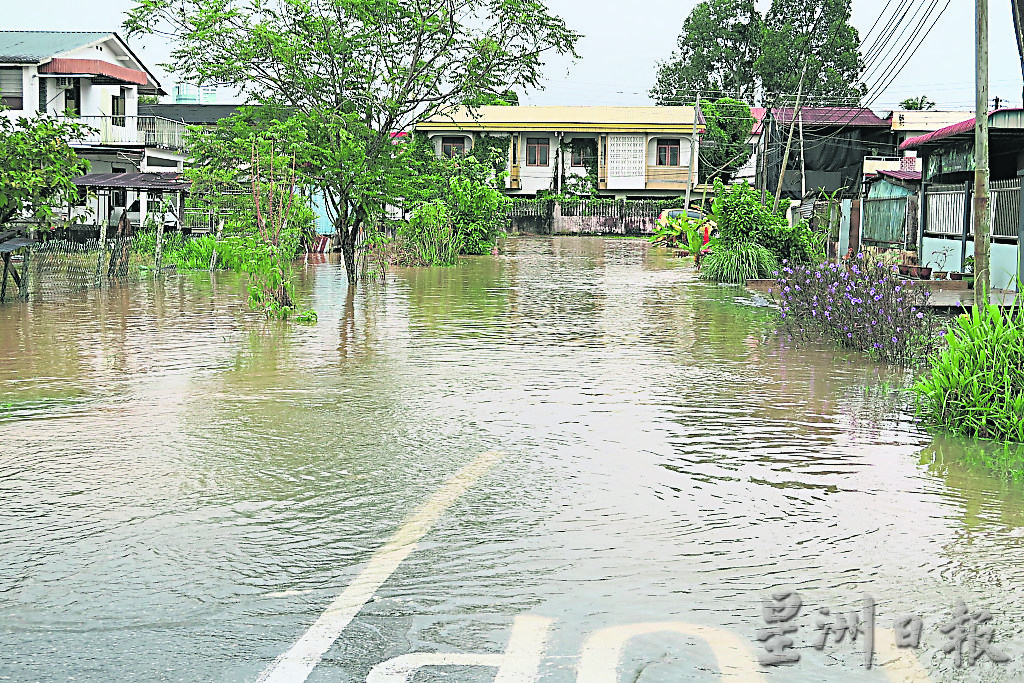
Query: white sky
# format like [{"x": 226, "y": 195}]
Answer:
[{"x": 623, "y": 41}]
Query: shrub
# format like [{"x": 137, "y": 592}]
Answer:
[
  {"x": 859, "y": 305},
  {"x": 738, "y": 263},
  {"x": 976, "y": 385},
  {"x": 741, "y": 218},
  {"x": 429, "y": 237}
]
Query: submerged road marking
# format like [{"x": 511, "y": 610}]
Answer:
[
  {"x": 519, "y": 664},
  {"x": 298, "y": 662},
  {"x": 599, "y": 661}
]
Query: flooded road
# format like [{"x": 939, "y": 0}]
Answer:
[{"x": 186, "y": 488}]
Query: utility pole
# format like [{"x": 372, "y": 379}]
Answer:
[
  {"x": 789, "y": 141},
  {"x": 762, "y": 175},
  {"x": 982, "y": 217},
  {"x": 693, "y": 153},
  {"x": 803, "y": 164}
]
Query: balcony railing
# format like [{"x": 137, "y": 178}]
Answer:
[
  {"x": 150, "y": 131},
  {"x": 667, "y": 177}
]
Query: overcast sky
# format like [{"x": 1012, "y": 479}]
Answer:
[{"x": 624, "y": 40}]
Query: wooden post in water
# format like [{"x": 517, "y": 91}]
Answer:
[
  {"x": 159, "y": 246},
  {"x": 216, "y": 241},
  {"x": 102, "y": 250}
]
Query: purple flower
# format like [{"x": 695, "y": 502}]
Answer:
[{"x": 920, "y": 315}]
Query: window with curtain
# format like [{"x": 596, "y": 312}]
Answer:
[
  {"x": 117, "y": 109},
  {"x": 11, "y": 89},
  {"x": 453, "y": 147},
  {"x": 668, "y": 152}
]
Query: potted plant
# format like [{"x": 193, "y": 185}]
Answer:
[
  {"x": 941, "y": 257},
  {"x": 969, "y": 271}
]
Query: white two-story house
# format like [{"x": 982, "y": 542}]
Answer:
[
  {"x": 635, "y": 152},
  {"x": 96, "y": 79}
]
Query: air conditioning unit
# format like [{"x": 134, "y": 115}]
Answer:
[{"x": 63, "y": 82}]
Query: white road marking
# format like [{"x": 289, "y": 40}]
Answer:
[
  {"x": 298, "y": 662},
  {"x": 599, "y": 661},
  {"x": 901, "y": 665},
  {"x": 519, "y": 664}
]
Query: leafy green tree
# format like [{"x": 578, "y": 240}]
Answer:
[
  {"x": 356, "y": 71},
  {"x": 921, "y": 103},
  {"x": 462, "y": 192},
  {"x": 729, "y": 126},
  {"x": 818, "y": 35},
  {"x": 37, "y": 166},
  {"x": 249, "y": 170},
  {"x": 715, "y": 54}
]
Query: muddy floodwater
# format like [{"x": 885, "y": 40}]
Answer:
[{"x": 605, "y": 465}]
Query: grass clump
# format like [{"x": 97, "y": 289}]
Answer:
[
  {"x": 739, "y": 263},
  {"x": 975, "y": 386}
]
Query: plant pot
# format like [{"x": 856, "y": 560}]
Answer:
[
  {"x": 939, "y": 275},
  {"x": 905, "y": 269},
  {"x": 924, "y": 273},
  {"x": 956, "y": 276}
]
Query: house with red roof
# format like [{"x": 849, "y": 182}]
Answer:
[{"x": 948, "y": 165}]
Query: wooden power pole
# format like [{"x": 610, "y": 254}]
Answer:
[
  {"x": 982, "y": 217},
  {"x": 693, "y": 155}
]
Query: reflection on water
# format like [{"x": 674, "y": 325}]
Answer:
[{"x": 185, "y": 486}]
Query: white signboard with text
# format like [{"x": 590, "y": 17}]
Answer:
[{"x": 627, "y": 162}]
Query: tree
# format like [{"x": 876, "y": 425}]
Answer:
[
  {"x": 816, "y": 35},
  {"x": 356, "y": 71},
  {"x": 921, "y": 103},
  {"x": 715, "y": 54},
  {"x": 729, "y": 126},
  {"x": 37, "y": 166}
]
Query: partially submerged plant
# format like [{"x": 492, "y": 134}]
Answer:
[
  {"x": 975, "y": 387},
  {"x": 860, "y": 305}
]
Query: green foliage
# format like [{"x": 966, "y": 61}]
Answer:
[
  {"x": 715, "y": 54},
  {"x": 739, "y": 263},
  {"x": 729, "y": 124},
  {"x": 245, "y": 171},
  {"x": 466, "y": 186},
  {"x": 351, "y": 72},
  {"x": 921, "y": 103},
  {"x": 820, "y": 32},
  {"x": 37, "y": 166},
  {"x": 431, "y": 237},
  {"x": 726, "y": 48},
  {"x": 975, "y": 387},
  {"x": 742, "y": 218}
]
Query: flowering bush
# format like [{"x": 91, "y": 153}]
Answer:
[{"x": 860, "y": 305}]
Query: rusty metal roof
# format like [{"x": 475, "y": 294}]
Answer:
[
  {"x": 911, "y": 176},
  {"x": 1012, "y": 119},
  {"x": 165, "y": 181}
]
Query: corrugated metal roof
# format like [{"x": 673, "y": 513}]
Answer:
[
  {"x": 170, "y": 180},
  {"x": 192, "y": 114},
  {"x": 30, "y": 47},
  {"x": 902, "y": 175},
  {"x": 926, "y": 120},
  {"x": 565, "y": 117},
  {"x": 832, "y": 116},
  {"x": 1006, "y": 119}
]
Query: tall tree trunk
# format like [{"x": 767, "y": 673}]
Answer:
[{"x": 348, "y": 250}]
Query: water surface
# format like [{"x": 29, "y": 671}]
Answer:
[{"x": 186, "y": 486}]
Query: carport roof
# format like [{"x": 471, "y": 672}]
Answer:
[{"x": 166, "y": 181}]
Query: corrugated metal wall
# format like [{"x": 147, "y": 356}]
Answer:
[{"x": 885, "y": 213}]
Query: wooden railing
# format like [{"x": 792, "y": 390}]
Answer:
[{"x": 667, "y": 177}]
